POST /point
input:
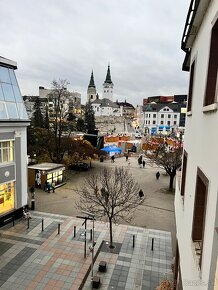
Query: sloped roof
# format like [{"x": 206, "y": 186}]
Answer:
[
  {"x": 125, "y": 104},
  {"x": 157, "y": 107},
  {"x": 105, "y": 103}
]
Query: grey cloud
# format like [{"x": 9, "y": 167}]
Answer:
[{"x": 69, "y": 38}]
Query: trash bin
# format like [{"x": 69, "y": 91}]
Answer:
[{"x": 32, "y": 204}]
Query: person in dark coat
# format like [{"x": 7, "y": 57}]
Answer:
[
  {"x": 157, "y": 175},
  {"x": 127, "y": 156},
  {"x": 112, "y": 158},
  {"x": 32, "y": 191},
  {"x": 141, "y": 193},
  {"x": 143, "y": 163}
]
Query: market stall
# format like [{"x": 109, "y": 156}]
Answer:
[{"x": 39, "y": 175}]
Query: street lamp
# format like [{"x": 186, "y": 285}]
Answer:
[{"x": 89, "y": 214}]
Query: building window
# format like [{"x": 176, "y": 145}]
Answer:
[
  {"x": 55, "y": 177},
  {"x": 161, "y": 122},
  {"x": 154, "y": 115},
  {"x": 175, "y": 116},
  {"x": 91, "y": 97},
  {"x": 154, "y": 122},
  {"x": 168, "y": 123},
  {"x": 162, "y": 115},
  {"x": 6, "y": 151},
  {"x": 184, "y": 166},
  {"x": 169, "y": 116},
  {"x": 7, "y": 197},
  {"x": 174, "y": 122},
  {"x": 211, "y": 87},
  {"x": 191, "y": 86},
  {"x": 199, "y": 215}
]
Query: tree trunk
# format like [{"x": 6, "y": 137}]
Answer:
[
  {"x": 111, "y": 233},
  {"x": 171, "y": 181}
]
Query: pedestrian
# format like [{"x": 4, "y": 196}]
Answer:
[
  {"x": 32, "y": 191},
  {"x": 143, "y": 163},
  {"x": 112, "y": 158},
  {"x": 53, "y": 187},
  {"x": 140, "y": 162},
  {"x": 127, "y": 156},
  {"x": 157, "y": 175},
  {"x": 48, "y": 187},
  {"x": 141, "y": 194}
]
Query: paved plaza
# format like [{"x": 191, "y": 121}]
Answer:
[
  {"x": 157, "y": 212},
  {"x": 34, "y": 259}
]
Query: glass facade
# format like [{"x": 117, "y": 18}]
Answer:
[
  {"x": 7, "y": 197},
  {"x": 11, "y": 102}
]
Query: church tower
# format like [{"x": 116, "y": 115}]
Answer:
[
  {"x": 108, "y": 86},
  {"x": 91, "y": 92}
]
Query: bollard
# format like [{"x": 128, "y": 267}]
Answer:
[
  {"x": 42, "y": 225},
  {"x": 133, "y": 241},
  {"x": 59, "y": 228},
  {"x": 28, "y": 223},
  {"x": 74, "y": 231},
  {"x": 90, "y": 234},
  {"x": 152, "y": 244},
  {"x": 13, "y": 220}
]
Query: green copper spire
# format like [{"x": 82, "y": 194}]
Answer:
[
  {"x": 92, "y": 83},
  {"x": 108, "y": 76}
]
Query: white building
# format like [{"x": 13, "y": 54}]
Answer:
[
  {"x": 13, "y": 144},
  {"x": 160, "y": 117},
  {"x": 196, "y": 200},
  {"x": 105, "y": 107}
]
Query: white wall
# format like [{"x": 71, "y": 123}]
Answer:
[{"x": 201, "y": 139}]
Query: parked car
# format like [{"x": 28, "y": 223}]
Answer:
[{"x": 80, "y": 166}]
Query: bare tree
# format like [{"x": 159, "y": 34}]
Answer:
[
  {"x": 112, "y": 193},
  {"x": 59, "y": 117},
  {"x": 167, "y": 157}
]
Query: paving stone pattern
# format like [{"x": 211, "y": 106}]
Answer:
[{"x": 32, "y": 259}]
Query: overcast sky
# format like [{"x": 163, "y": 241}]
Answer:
[{"x": 141, "y": 39}]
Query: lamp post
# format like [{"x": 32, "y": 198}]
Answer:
[{"x": 89, "y": 214}]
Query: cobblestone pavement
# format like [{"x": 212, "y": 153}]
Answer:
[{"x": 34, "y": 259}]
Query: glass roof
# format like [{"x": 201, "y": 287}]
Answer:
[{"x": 11, "y": 102}]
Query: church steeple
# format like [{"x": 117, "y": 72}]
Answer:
[
  {"x": 92, "y": 82},
  {"x": 108, "y": 86},
  {"x": 108, "y": 76},
  {"x": 91, "y": 92}
]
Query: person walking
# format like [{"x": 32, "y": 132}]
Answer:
[
  {"x": 143, "y": 163},
  {"x": 32, "y": 191},
  {"x": 141, "y": 194},
  {"x": 112, "y": 158},
  {"x": 48, "y": 187},
  {"x": 53, "y": 187},
  {"x": 157, "y": 175},
  {"x": 127, "y": 156}
]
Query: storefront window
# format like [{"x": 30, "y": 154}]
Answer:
[
  {"x": 7, "y": 197},
  {"x": 6, "y": 151},
  {"x": 55, "y": 177}
]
